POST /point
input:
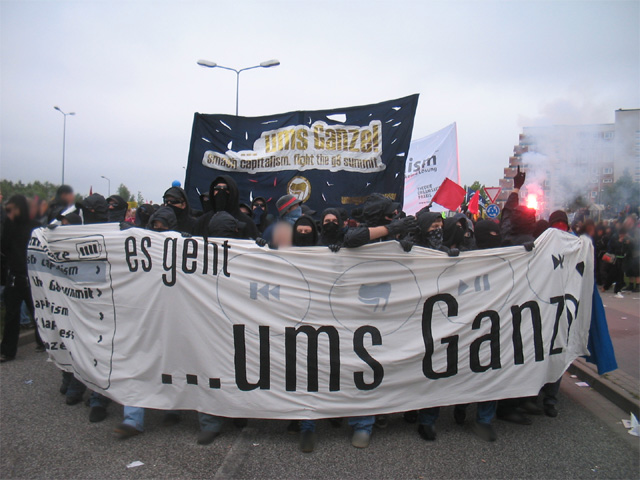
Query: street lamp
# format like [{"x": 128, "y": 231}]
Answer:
[
  {"x": 109, "y": 185},
  {"x": 64, "y": 136},
  {"x": 265, "y": 64}
]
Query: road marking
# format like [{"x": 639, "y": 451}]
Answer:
[{"x": 234, "y": 459}]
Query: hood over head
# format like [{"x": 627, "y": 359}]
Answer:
[
  {"x": 375, "y": 209},
  {"x": 164, "y": 215},
  {"x": 94, "y": 209},
  {"x": 22, "y": 205},
  {"x": 225, "y": 225},
  {"x": 523, "y": 220},
  {"x": 305, "y": 239},
  {"x": 143, "y": 214},
  {"x": 488, "y": 234},
  {"x": 118, "y": 211},
  {"x": 453, "y": 233},
  {"x": 226, "y": 200}
]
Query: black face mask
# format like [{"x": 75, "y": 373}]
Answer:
[
  {"x": 433, "y": 238},
  {"x": 488, "y": 241},
  {"x": 303, "y": 239},
  {"x": 178, "y": 211},
  {"x": 330, "y": 229},
  {"x": 116, "y": 214},
  {"x": 221, "y": 199}
]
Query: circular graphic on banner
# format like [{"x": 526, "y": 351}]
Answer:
[
  {"x": 476, "y": 288},
  {"x": 299, "y": 187},
  {"x": 359, "y": 298},
  {"x": 252, "y": 292}
]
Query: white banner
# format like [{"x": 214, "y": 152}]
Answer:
[
  {"x": 157, "y": 320},
  {"x": 431, "y": 159}
]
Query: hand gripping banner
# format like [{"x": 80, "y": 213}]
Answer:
[
  {"x": 323, "y": 157},
  {"x": 161, "y": 321}
]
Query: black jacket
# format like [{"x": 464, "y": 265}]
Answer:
[
  {"x": 230, "y": 205},
  {"x": 15, "y": 239},
  {"x": 517, "y": 222}
]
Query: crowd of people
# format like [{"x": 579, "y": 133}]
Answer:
[{"x": 224, "y": 215}]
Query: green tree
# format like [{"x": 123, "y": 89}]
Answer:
[
  {"x": 45, "y": 190},
  {"x": 475, "y": 186},
  {"x": 125, "y": 193},
  {"x": 140, "y": 198}
]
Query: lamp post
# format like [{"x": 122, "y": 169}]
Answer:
[
  {"x": 64, "y": 135},
  {"x": 109, "y": 185},
  {"x": 265, "y": 64}
]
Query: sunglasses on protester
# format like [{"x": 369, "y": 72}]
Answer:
[
  {"x": 173, "y": 201},
  {"x": 219, "y": 188}
]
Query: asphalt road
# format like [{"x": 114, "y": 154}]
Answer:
[
  {"x": 41, "y": 437},
  {"x": 623, "y": 318}
]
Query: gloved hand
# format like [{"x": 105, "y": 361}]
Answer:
[
  {"x": 261, "y": 242},
  {"x": 454, "y": 252},
  {"x": 52, "y": 226},
  {"x": 402, "y": 226},
  {"x": 518, "y": 180},
  {"x": 335, "y": 248},
  {"x": 125, "y": 226},
  {"x": 185, "y": 235},
  {"x": 406, "y": 245},
  {"x": 528, "y": 246}
]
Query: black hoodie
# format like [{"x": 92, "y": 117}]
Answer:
[
  {"x": 305, "y": 239},
  {"x": 422, "y": 238},
  {"x": 15, "y": 238},
  {"x": 186, "y": 222},
  {"x": 224, "y": 225},
  {"x": 94, "y": 209},
  {"x": 118, "y": 212},
  {"x": 165, "y": 215},
  {"x": 487, "y": 234},
  {"x": 331, "y": 234},
  {"x": 517, "y": 222},
  {"x": 226, "y": 201}
]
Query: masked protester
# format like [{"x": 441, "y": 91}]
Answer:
[
  {"x": 559, "y": 221},
  {"x": 331, "y": 227},
  {"x": 487, "y": 234},
  {"x": 260, "y": 216},
  {"x": 224, "y": 197},
  {"x": 143, "y": 214},
  {"x": 16, "y": 233},
  {"x": 305, "y": 232},
  {"x": 224, "y": 225},
  {"x": 163, "y": 220},
  {"x": 429, "y": 233},
  {"x": 176, "y": 199},
  {"x": 289, "y": 211},
  {"x": 117, "y": 209},
  {"x": 244, "y": 208},
  {"x": 94, "y": 209}
]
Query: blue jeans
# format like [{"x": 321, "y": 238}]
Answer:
[
  {"x": 209, "y": 423},
  {"x": 357, "y": 423},
  {"x": 484, "y": 413},
  {"x": 25, "y": 319}
]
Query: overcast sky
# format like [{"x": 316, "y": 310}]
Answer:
[{"x": 128, "y": 68}]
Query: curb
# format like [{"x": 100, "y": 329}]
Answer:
[{"x": 605, "y": 387}]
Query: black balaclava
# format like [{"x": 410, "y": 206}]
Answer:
[
  {"x": 177, "y": 192},
  {"x": 375, "y": 210},
  {"x": 143, "y": 214},
  {"x": 225, "y": 200},
  {"x": 118, "y": 212},
  {"x": 224, "y": 225},
  {"x": 453, "y": 233},
  {"x": 305, "y": 239},
  {"x": 258, "y": 212},
  {"x": 487, "y": 234},
  {"x": 331, "y": 233},
  {"x": 424, "y": 237},
  {"x": 165, "y": 215},
  {"x": 98, "y": 204}
]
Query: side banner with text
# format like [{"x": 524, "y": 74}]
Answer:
[
  {"x": 431, "y": 159},
  {"x": 229, "y": 328},
  {"x": 323, "y": 157}
]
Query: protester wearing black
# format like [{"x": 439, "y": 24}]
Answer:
[
  {"x": 224, "y": 197},
  {"x": 618, "y": 247},
  {"x": 332, "y": 227},
  {"x": 225, "y": 225},
  {"x": 143, "y": 214},
  {"x": 117, "y": 208},
  {"x": 430, "y": 233},
  {"x": 305, "y": 232},
  {"x": 261, "y": 217},
  {"x": 487, "y": 234},
  {"x": 163, "y": 220},
  {"x": 64, "y": 199},
  {"x": 16, "y": 233},
  {"x": 94, "y": 209},
  {"x": 176, "y": 199}
]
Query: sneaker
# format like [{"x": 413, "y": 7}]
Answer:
[
  {"x": 73, "y": 399},
  {"x": 170, "y": 419},
  {"x": 207, "y": 437},
  {"x": 97, "y": 414},
  {"x": 307, "y": 441},
  {"x": 382, "y": 421},
  {"x": 293, "y": 427},
  {"x": 485, "y": 431},
  {"x": 427, "y": 432},
  {"x": 551, "y": 411},
  {"x": 411, "y": 416},
  {"x": 619, "y": 295},
  {"x": 124, "y": 431},
  {"x": 361, "y": 439},
  {"x": 459, "y": 415}
]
